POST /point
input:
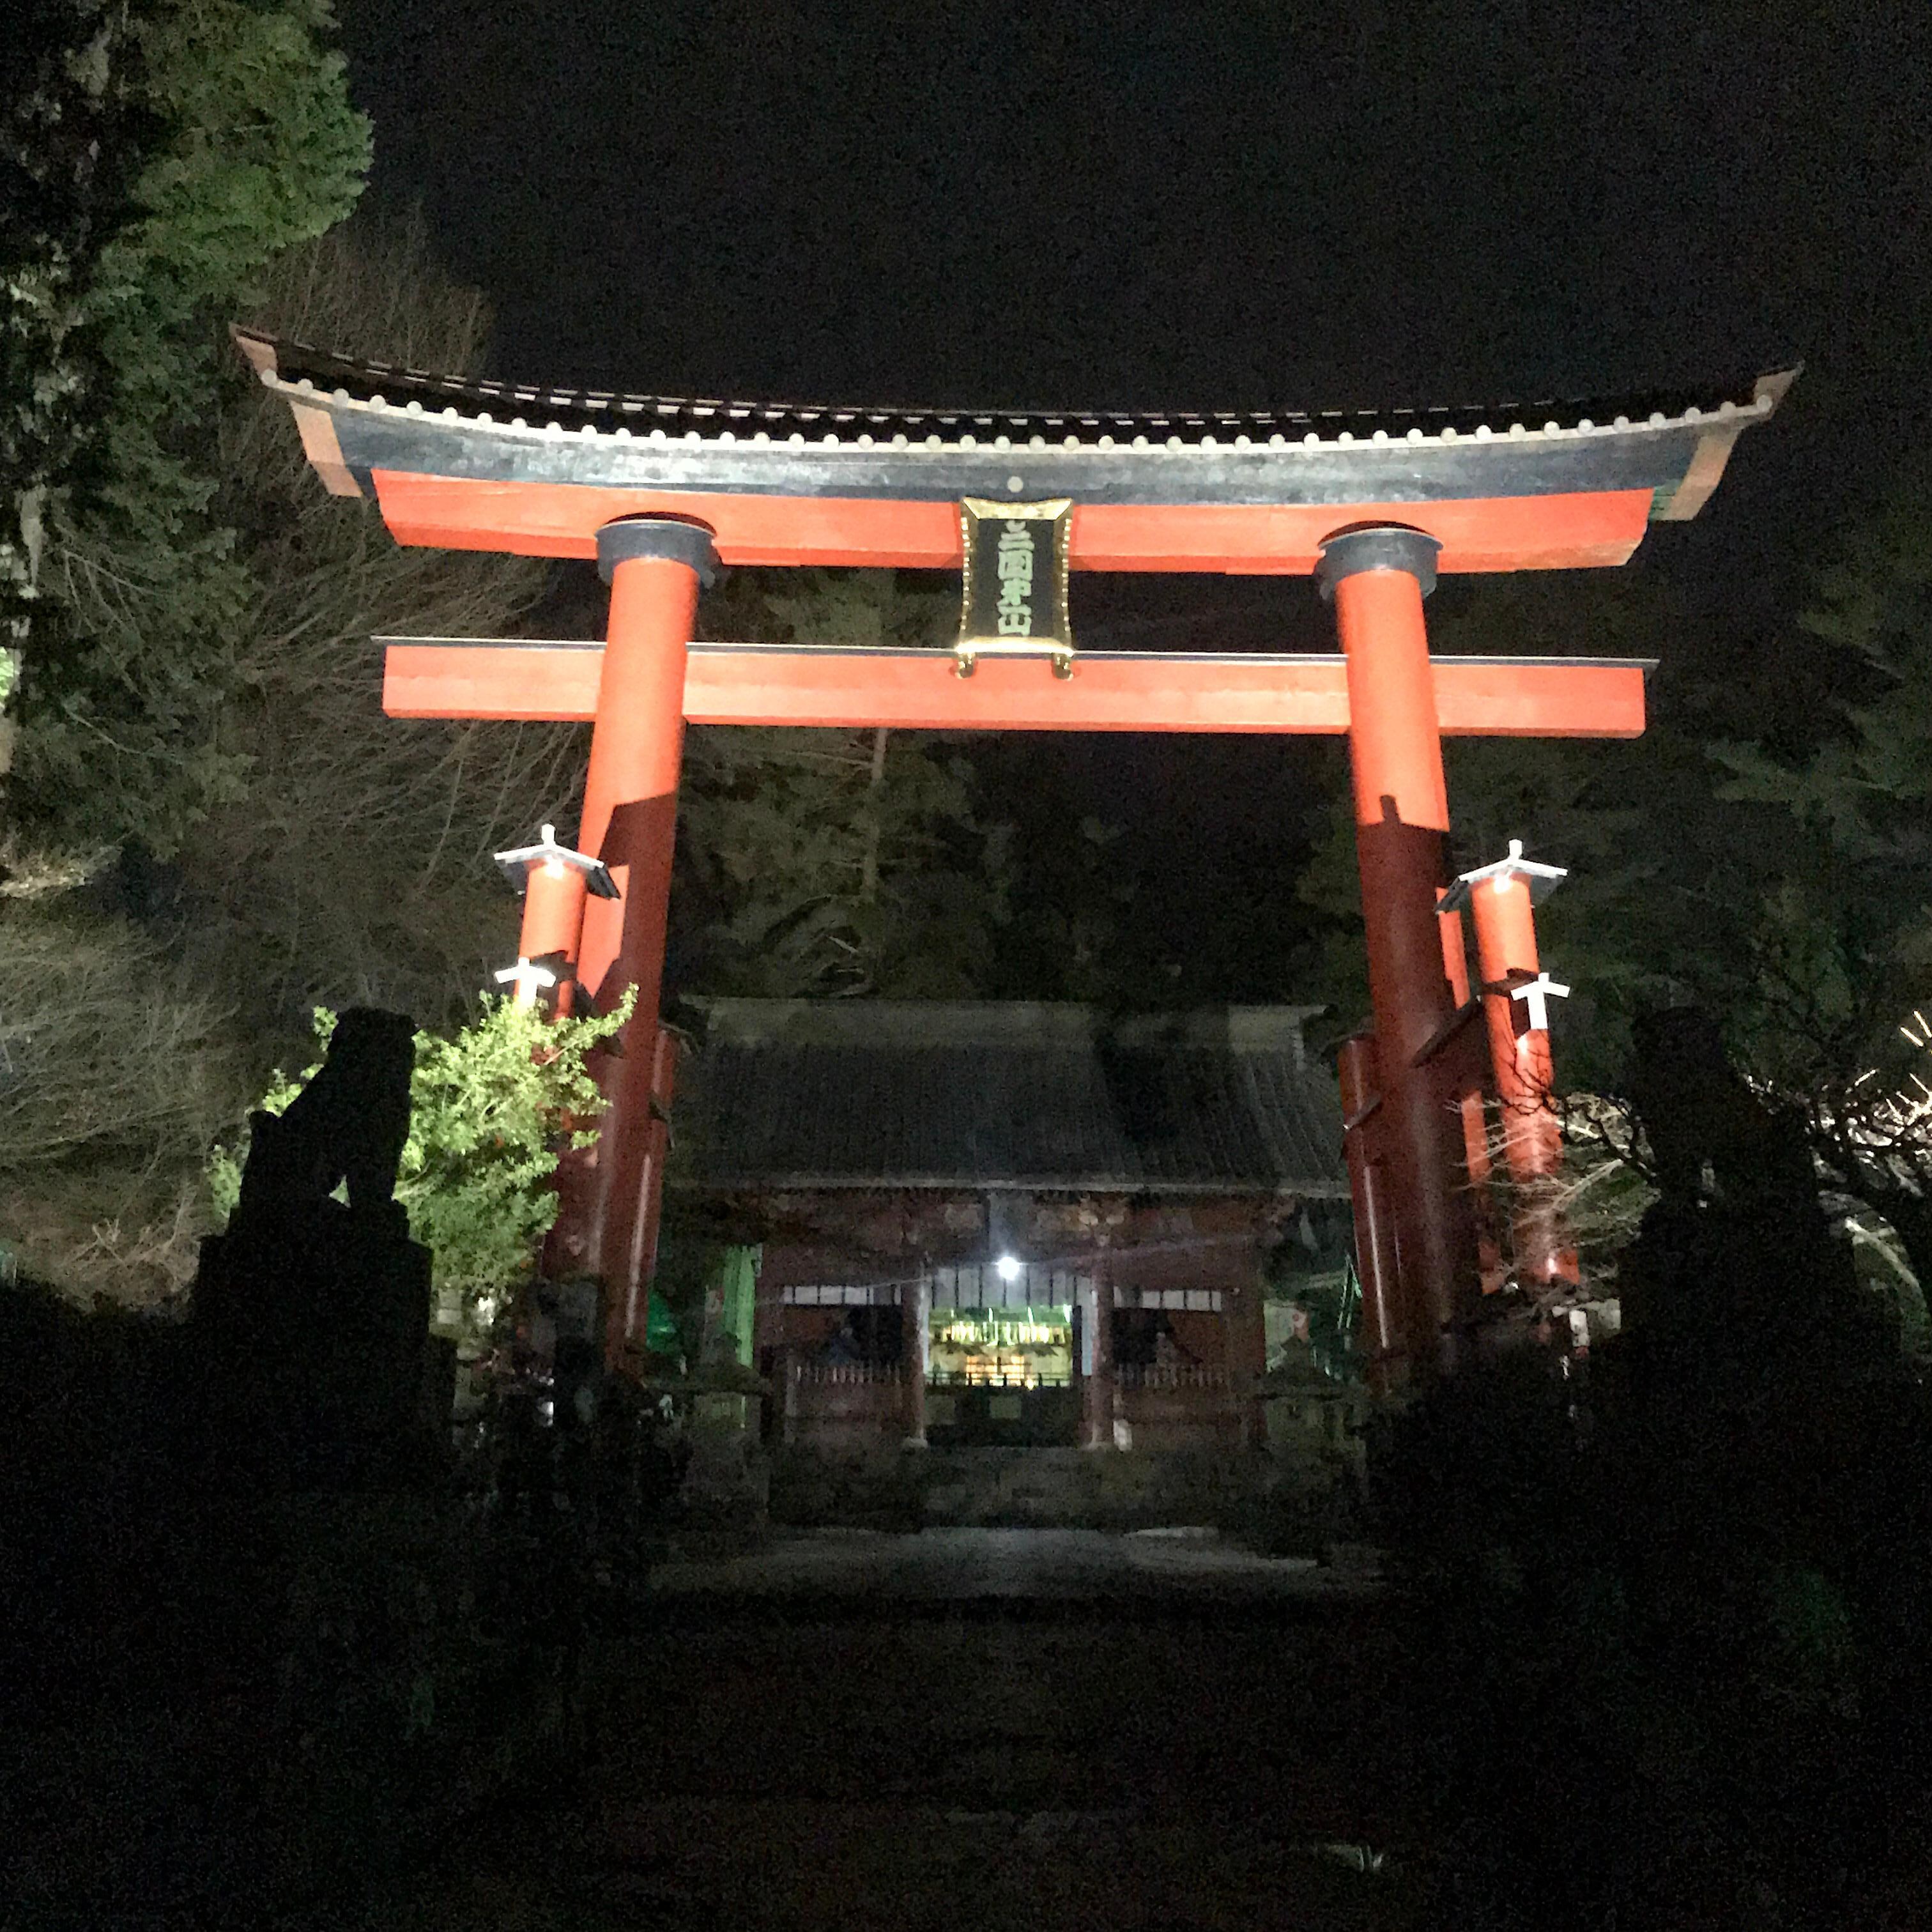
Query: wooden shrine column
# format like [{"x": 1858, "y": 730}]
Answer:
[
  {"x": 768, "y": 1354},
  {"x": 915, "y": 1332},
  {"x": 655, "y": 566},
  {"x": 1377, "y": 578},
  {"x": 1501, "y": 901},
  {"x": 1096, "y": 1387},
  {"x": 1244, "y": 1337}
]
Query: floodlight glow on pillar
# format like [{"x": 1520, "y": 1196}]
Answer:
[
  {"x": 1541, "y": 880},
  {"x": 1008, "y": 1267}
]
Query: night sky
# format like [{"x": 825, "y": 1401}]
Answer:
[{"x": 1159, "y": 205}]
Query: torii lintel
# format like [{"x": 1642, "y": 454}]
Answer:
[{"x": 1109, "y": 691}]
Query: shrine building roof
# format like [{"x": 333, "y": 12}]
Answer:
[{"x": 983, "y": 1095}]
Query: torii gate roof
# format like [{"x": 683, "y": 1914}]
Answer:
[{"x": 466, "y": 464}]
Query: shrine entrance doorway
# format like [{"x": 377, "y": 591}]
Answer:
[{"x": 1001, "y": 1374}]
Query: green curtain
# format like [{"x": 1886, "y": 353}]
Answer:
[{"x": 739, "y": 1274}]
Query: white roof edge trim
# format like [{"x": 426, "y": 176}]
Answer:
[{"x": 1302, "y": 446}]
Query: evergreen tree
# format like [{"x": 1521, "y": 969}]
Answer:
[
  {"x": 1839, "y": 1018},
  {"x": 492, "y": 1105},
  {"x": 159, "y": 156},
  {"x": 835, "y": 862}
]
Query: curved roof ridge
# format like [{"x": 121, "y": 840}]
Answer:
[{"x": 293, "y": 361}]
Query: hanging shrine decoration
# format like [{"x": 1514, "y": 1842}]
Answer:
[{"x": 1013, "y": 588}]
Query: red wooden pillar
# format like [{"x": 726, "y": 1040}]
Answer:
[
  {"x": 552, "y": 911},
  {"x": 1377, "y": 578},
  {"x": 652, "y": 1135},
  {"x": 553, "y": 880},
  {"x": 1469, "y": 1100},
  {"x": 553, "y": 893},
  {"x": 654, "y": 566},
  {"x": 1501, "y": 899},
  {"x": 1368, "y": 1190}
]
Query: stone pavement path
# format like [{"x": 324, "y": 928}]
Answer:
[
  {"x": 1174, "y": 1567},
  {"x": 981, "y": 1729},
  {"x": 1037, "y": 1730}
]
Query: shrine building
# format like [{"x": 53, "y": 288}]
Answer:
[{"x": 994, "y": 1223}]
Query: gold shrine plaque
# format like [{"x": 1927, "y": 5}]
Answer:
[{"x": 1012, "y": 596}]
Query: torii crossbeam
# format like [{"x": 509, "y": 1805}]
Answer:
[
  {"x": 1113, "y": 691},
  {"x": 661, "y": 490}
]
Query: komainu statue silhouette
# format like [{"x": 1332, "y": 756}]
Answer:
[
  {"x": 1736, "y": 1251},
  {"x": 349, "y": 1123},
  {"x": 311, "y": 1318}
]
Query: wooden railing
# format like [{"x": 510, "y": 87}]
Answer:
[
  {"x": 846, "y": 1375},
  {"x": 951, "y": 1383},
  {"x": 1171, "y": 1376},
  {"x": 1128, "y": 1375}
]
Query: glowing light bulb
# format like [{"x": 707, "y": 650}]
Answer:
[{"x": 1007, "y": 1267}]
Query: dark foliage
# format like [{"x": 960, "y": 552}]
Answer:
[
  {"x": 1659, "y": 1629},
  {"x": 309, "y": 1689}
]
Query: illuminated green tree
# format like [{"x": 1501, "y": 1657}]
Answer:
[{"x": 1838, "y": 1021}]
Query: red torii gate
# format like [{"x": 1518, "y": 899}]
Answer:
[{"x": 660, "y": 490}]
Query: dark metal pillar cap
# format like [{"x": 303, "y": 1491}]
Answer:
[
  {"x": 1377, "y": 547},
  {"x": 672, "y": 537}
]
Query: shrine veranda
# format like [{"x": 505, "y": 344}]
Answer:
[{"x": 1373, "y": 505}]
